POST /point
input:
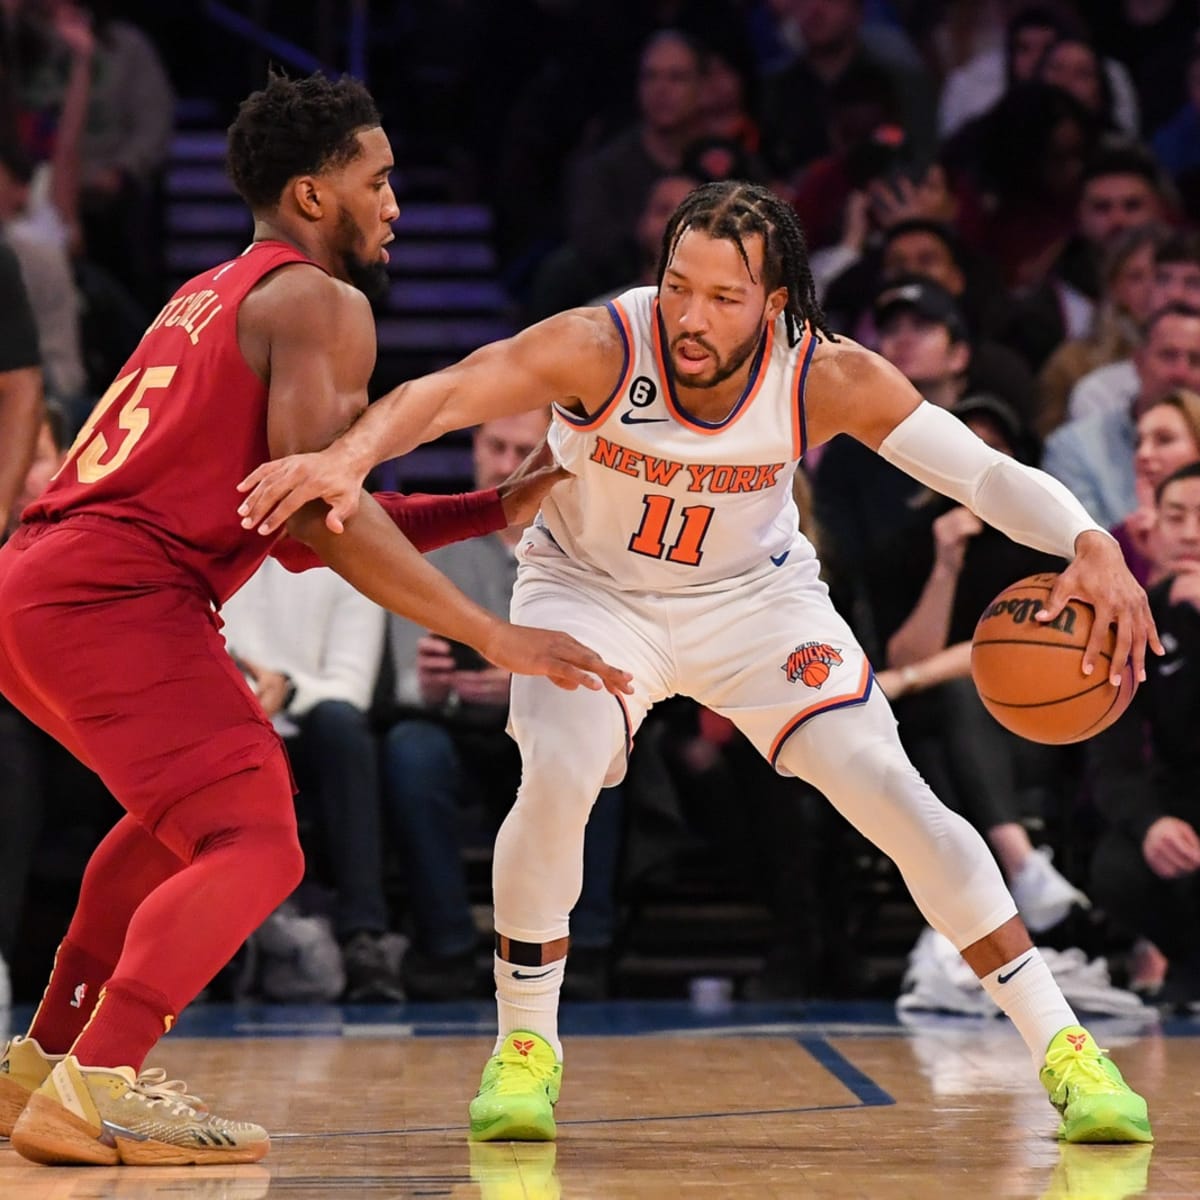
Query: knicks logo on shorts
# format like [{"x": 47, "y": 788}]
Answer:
[{"x": 810, "y": 663}]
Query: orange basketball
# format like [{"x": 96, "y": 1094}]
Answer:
[{"x": 1029, "y": 673}]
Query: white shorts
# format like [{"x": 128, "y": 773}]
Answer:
[{"x": 770, "y": 652}]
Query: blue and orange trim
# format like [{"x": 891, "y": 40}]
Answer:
[
  {"x": 799, "y": 422},
  {"x": 859, "y": 695},
  {"x": 621, "y": 320}
]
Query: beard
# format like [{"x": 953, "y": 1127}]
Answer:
[
  {"x": 370, "y": 278},
  {"x": 723, "y": 368}
]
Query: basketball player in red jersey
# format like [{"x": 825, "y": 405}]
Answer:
[{"x": 109, "y": 636}]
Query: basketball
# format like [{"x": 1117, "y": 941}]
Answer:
[{"x": 1029, "y": 673}]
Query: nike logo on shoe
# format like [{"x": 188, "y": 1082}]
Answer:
[
  {"x": 523, "y": 975},
  {"x": 630, "y": 419},
  {"x": 1006, "y": 978}
]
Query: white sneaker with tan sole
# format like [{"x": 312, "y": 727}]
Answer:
[{"x": 109, "y": 1115}]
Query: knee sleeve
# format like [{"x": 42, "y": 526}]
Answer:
[{"x": 855, "y": 758}]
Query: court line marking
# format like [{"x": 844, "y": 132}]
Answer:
[{"x": 865, "y": 1090}]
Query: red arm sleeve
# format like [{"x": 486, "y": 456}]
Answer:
[{"x": 427, "y": 521}]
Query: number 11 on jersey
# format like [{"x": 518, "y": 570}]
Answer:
[{"x": 650, "y": 538}]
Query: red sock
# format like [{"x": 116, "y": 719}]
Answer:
[
  {"x": 238, "y": 838},
  {"x": 123, "y": 870},
  {"x": 128, "y": 1019},
  {"x": 69, "y": 998}
]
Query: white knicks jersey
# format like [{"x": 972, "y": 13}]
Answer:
[{"x": 662, "y": 501}]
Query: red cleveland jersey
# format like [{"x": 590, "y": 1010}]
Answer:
[{"x": 184, "y": 422}]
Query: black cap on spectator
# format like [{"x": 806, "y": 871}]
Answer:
[
  {"x": 1022, "y": 441},
  {"x": 916, "y": 294}
]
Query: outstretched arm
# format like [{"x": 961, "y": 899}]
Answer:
[
  {"x": 857, "y": 392},
  {"x": 574, "y": 358},
  {"x": 321, "y": 349}
]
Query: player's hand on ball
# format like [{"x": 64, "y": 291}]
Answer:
[
  {"x": 564, "y": 661},
  {"x": 280, "y": 488},
  {"x": 1099, "y": 576}
]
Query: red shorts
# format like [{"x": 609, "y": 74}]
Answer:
[{"x": 118, "y": 654}]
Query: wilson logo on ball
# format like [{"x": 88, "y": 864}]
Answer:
[
  {"x": 1023, "y": 610},
  {"x": 809, "y": 663}
]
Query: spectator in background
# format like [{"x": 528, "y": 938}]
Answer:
[
  {"x": 1177, "y": 142},
  {"x": 1146, "y": 767},
  {"x": 448, "y": 752},
  {"x": 1168, "y": 437},
  {"x": 664, "y": 198},
  {"x": 1125, "y": 303},
  {"x": 31, "y": 758},
  {"x": 1152, "y": 38},
  {"x": 1017, "y": 172},
  {"x": 920, "y": 248},
  {"x": 927, "y": 591},
  {"x": 1175, "y": 279},
  {"x": 796, "y": 98},
  {"x": 1072, "y": 64},
  {"x": 1032, "y": 29},
  {"x": 131, "y": 114},
  {"x": 608, "y": 188},
  {"x": 310, "y": 647},
  {"x": 863, "y": 504},
  {"x": 1094, "y": 456},
  {"x": 46, "y": 269},
  {"x": 1122, "y": 188},
  {"x": 20, "y": 384}
]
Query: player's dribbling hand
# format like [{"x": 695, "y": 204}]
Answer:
[
  {"x": 564, "y": 661},
  {"x": 1098, "y": 575},
  {"x": 280, "y": 488}
]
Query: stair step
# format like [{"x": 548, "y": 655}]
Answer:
[
  {"x": 433, "y": 295},
  {"x": 208, "y": 217},
  {"x": 449, "y": 336},
  {"x": 198, "y": 179},
  {"x": 199, "y": 144},
  {"x": 439, "y": 257}
]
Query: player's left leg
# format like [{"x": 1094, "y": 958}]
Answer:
[
  {"x": 123, "y": 870},
  {"x": 798, "y": 685},
  {"x": 855, "y": 758}
]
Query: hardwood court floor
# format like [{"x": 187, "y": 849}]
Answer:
[{"x": 657, "y": 1102}]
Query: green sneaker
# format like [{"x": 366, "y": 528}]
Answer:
[
  {"x": 1096, "y": 1104},
  {"x": 518, "y": 1092}
]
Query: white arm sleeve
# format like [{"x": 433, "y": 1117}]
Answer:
[{"x": 1028, "y": 505}]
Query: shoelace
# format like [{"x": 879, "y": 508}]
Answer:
[
  {"x": 158, "y": 1089},
  {"x": 1068, "y": 1065},
  {"x": 511, "y": 1082}
]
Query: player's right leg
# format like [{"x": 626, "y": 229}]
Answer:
[
  {"x": 572, "y": 744},
  {"x": 240, "y": 855}
]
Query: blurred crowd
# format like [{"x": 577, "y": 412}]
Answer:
[{"x": 1002, "y": 197}]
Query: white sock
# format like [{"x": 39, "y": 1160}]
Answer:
[
  {"x": 1026, "y": 991},
  {"x": 527, "y": 998}
]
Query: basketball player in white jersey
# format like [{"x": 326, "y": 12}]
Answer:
[{"x": 681, "y": 413}]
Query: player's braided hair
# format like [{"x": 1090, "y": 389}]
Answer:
[
  {"x": 733, "y": 209},
  {"x": 295, "y": 127}
]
